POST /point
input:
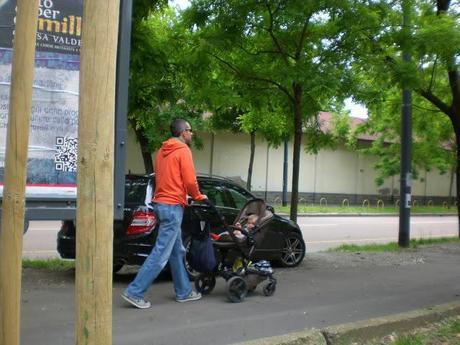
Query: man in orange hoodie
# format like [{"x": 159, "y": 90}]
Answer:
[{"x": 175, "y": 179}]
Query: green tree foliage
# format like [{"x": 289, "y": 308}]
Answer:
[
  {"x": 156, "y": 90},
  {"x": 231, "y": 104},
  {"x": 296, "y": 52},
  {"x": 322, "y": 135},
  {"x": 433, "y": 40},
  {"x": 433, "y": 142}
]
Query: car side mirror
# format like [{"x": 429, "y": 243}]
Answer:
[{"x": 271, "y": 208}]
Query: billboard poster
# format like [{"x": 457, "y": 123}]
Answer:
[{"x": 53, "y": 142}]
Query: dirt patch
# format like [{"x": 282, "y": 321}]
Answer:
[{"x": 44, "y": 277}]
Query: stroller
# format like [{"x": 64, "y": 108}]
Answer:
[{"x": 234, "y": 256}]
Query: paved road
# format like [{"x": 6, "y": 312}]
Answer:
[
  {"x": 326, "y": 289},
  {"x": 320, "y": 233},
  {"x": 40, "y": 239}
]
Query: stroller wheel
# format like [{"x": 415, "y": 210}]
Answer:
[
  {"x": 205, "y": 283},
  {"x": 269, "y": 289},
  {"x": 237, "y": 289}
]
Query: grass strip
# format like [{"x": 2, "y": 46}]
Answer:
[
  {"x": 446, "y": 332},
  {"x": 393, "y": 246},
  {"x": 48, "y": 264},
  {"x": 365, "y": 209}
]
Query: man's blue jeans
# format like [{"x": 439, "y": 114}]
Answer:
[{"x": 168, "y": 246}]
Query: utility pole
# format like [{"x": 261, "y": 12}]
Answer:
[
  {"x": 406, "y": 140},
  {"x": 94, "y": 256},
  {"x": 17, "y": 142}
]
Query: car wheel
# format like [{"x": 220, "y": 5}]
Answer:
[
  {"x": 293, "y": 250},
  {"x": 192, "y": 274}
]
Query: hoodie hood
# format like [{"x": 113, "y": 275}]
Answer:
[{"x": 171, "y": 145}]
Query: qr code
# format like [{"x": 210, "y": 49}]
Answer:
[{"x": 65, "y": 159}]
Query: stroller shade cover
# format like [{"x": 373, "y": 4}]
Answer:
[{"x": 259, "y": 208}]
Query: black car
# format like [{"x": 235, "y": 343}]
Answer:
[{"x": 135, "y": 235}]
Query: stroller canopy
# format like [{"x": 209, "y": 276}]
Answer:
[{"x": 257, "y": 207}]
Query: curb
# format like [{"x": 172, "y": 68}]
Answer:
[
  {"x": 307, "y": 337},
  {"x": 360, "y": 331}
]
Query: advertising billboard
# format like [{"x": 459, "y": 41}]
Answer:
[{"x": 53, "y": 138}]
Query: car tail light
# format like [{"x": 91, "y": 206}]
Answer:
[{"x": 144, "y": 221}]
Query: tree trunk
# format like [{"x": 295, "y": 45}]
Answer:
[
  {"x": 457, "y": 171},
  {"x": 296, "y": 151},
  {"x": 146, "y": 154},
  {"x": 251, "y": 160},
  {"x": 442, "y": 6},
  {"x": 451, "y": 184}
]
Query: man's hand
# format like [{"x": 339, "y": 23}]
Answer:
[{"x": 190, "y": 200}]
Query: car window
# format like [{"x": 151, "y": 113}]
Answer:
[
  {"x": 217, "y": 194},
  {"x": 239, "y": 196},
  {"x": 135, "y": 191},
  {"x": 225, "y": 194}
]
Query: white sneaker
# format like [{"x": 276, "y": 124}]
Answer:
[
  {"x": 137, "y": 302},
  {"x": 194, "y": 296}
]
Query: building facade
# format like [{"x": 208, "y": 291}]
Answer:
[{"x": 332, "y": 176}]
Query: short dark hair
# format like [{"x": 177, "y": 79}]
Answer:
[{"x": 177, "y": 127}]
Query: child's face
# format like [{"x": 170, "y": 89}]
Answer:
[{"x": 251, "y": 223}]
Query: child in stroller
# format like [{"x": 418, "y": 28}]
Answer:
[
  {"x": 240, "y": 232},
  {"x": 234, "y": 248}
]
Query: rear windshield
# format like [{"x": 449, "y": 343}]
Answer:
[{"x": 135, "y": 190}]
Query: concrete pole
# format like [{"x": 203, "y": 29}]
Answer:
[
  {"x": 406, "y": 142},
  {"x": 17, "y": 142},
  {"x": 94, "y": 252}
]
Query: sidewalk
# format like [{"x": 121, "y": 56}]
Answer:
[
  {"x": 363, "y": 331},
  {"x": 327, "y": 289}
]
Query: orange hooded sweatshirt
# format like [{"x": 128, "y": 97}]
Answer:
[{"x": 175, "y": 175}]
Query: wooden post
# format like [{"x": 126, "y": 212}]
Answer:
[
  {"x": 95, "y": 173},
  {"x": 17, "y": 143}
]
